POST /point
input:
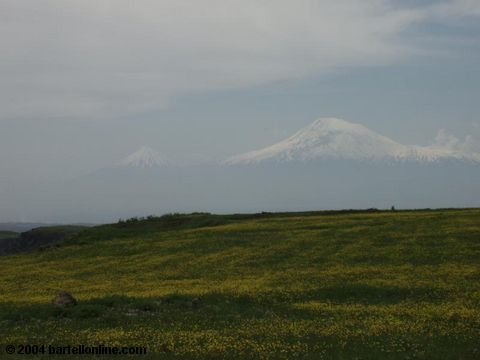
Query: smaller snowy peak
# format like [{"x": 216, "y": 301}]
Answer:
[{"x": 144, "y": 157}]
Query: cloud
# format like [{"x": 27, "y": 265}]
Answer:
[
  {"x": 443, "y": 139},
  {"x": 457, "y": 8},
  {"x": 91, "y": 59},
  {"x": 450, "y": 142}
]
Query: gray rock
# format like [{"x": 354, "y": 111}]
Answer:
[
  {"x": 196, "y": 302},
  {"x": 64, "y": 298}
]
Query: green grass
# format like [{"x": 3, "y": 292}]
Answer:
[{"x": 331, "y": 285}]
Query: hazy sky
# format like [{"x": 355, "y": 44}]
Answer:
[{"x": 85, "y": 83}]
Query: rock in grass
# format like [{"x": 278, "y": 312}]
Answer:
[
  {"x": 64, "y": 298},
  {"x": 196, "y": 302}
]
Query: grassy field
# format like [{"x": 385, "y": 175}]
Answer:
[{"x": 359, "y": 285}]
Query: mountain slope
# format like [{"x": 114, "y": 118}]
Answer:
[
  {"x": 144, "y": 157},
  {"x": 332, "y": 138}
]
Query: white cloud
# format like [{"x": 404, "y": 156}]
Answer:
[
  {"x": 448, "y": 141},
  {"x": 118, "y": 57},
  {"x": 443, "y": 139}
]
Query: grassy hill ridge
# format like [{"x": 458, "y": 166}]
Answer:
[{"x": 365, "y": 285}]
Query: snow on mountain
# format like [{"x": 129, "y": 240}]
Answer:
[
  {"x": 144, "y": 157},
  {"x": 332, "y": 138}
]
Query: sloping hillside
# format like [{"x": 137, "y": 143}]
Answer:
[
  {"x": 37, "y": 238},
  {"x": 332, "y": 285}
]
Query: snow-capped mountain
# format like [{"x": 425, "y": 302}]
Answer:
[
  {"x": 144, "y": 157},
  {"x": 330, "y": 164},
  {"x": 332, "y": 138}
]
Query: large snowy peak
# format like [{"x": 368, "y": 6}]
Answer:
[{"x": 332, "y": 138}]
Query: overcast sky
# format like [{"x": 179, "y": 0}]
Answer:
[{"x": 84, "y": 83}]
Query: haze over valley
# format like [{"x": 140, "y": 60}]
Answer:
[{"x": 329, "y": 164}]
